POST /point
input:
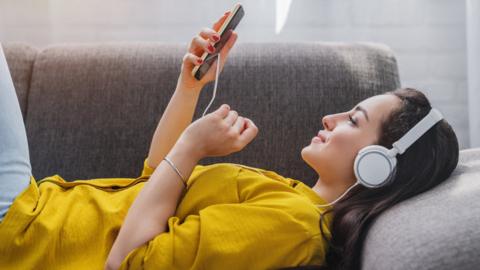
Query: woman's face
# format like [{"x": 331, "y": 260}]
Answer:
[{"x": 333, "y": 156}]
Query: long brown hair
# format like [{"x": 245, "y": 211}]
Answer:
[{"x": 424, "y": 165}]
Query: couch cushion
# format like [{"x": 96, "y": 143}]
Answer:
[
  {"x": 94, "y": 107},
  {"x": 438, "y": 229},
  {"x": 20, "y": 58}
]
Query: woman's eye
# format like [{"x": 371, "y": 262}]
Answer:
[{"x": 352, "y": 120}]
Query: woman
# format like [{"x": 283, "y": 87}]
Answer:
[
  {"x": 426, "y": 164},
  {"x": 189, "y": 216}
]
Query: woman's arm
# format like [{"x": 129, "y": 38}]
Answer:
[
  {"x": 177, "y": 116},
  {"x": 156, "y": 202},
  {"x": 179, "y": 112},
  {"x": 219, "y": 133}
]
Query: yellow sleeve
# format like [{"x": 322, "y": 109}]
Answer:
[
  {"x": 147, "y": 170},
  {"x": 226, "y": 236},
  {"x": 254, "y": 234}
]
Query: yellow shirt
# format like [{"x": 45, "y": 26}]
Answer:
[{"x": 230, "y": 217}]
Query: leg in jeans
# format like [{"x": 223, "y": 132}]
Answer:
[{"x": 15, "y": 168}]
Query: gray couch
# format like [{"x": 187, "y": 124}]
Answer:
[{"x": 90, "y": 111}]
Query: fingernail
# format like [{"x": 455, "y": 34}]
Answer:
[
  {"x": 211, "y": 48},
  {"x": 199, "y": 60},
  {"x": 216, "y": 38}
]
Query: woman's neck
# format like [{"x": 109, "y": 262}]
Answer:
[{"x": 329, "y": 190}]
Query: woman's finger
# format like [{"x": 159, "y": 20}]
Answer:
[
  {"x": 249, "y": 133},
  {"x": 199, "y": 44},
  {"x": 239, "y": 124},
  {"x": 222, "y": 111},
  {"x": 190, "y": 60},
  {"x": 210, "y": 34},
  {"x": 218, "y": 24},
  {"x": 231, "y": 117},
  {"x": 224, "y": 53}
]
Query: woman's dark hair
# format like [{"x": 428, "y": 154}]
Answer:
[{"x": 424, "y": 165}]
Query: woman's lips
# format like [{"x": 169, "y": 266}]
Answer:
[
  {"x": 322, "y": 136},
  {"x": 317, "y": 139}
]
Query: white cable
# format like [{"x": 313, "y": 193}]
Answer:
[
  {"x": 216, "y": 81},
  {"x": 329, "y": 204}
]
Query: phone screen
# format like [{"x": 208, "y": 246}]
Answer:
[{"x": 224, "y": 36}]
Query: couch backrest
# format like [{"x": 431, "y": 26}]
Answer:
[{"x": 92, "y": 108}]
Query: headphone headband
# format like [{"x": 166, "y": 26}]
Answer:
[{"x": 418, "y": 130}]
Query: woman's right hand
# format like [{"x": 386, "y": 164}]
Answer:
[
  {"x": 201, "y": 43},
  {"x": 218, "y": 133}
]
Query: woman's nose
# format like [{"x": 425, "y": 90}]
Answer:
[{"x": 326, "y": 122}]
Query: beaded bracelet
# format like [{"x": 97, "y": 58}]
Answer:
[{"x": 184, "y": 182}]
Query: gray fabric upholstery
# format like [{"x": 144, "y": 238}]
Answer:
[
  {"x": 93, "y": 108},
  {"x": 20, "y": 58},
  {"x": 438, "y": 229}
]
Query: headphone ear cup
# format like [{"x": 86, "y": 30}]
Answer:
[{"x": 373, "y": 166}]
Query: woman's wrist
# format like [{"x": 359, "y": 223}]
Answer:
[
  {"x": 112, "y": 264},
  {"x": 186, "y": 148},
  {"x": 195, "y": 87}
]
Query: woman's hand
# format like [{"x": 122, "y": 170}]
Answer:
[
  {"x": 218, "y": 133},
  {"x": 201, "y": 43}
]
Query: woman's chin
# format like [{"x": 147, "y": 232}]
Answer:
[{"x": 311, "y": 153}]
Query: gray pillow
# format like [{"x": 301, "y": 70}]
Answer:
[{"x": 439, "y": 229}]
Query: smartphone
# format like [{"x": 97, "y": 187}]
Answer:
[{"x": 225, "y": 32}]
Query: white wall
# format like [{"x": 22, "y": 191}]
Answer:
[
  {"x": 427, "y": 36},
  {"x": 473, "y": 53}
]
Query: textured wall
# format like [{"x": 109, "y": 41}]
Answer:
[{"x": 428, "y": 36}]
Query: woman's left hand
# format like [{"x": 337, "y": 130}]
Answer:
[
  {"x": 200, "y": 44},
  {"x": 218, "y": 133}
]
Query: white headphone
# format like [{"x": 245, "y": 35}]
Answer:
[{"x": 375, "y": 164}]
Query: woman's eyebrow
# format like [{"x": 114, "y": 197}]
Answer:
[{"x": 359, "y": 108}]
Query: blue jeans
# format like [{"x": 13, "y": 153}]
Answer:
[{"x": 15, "y": 168}]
